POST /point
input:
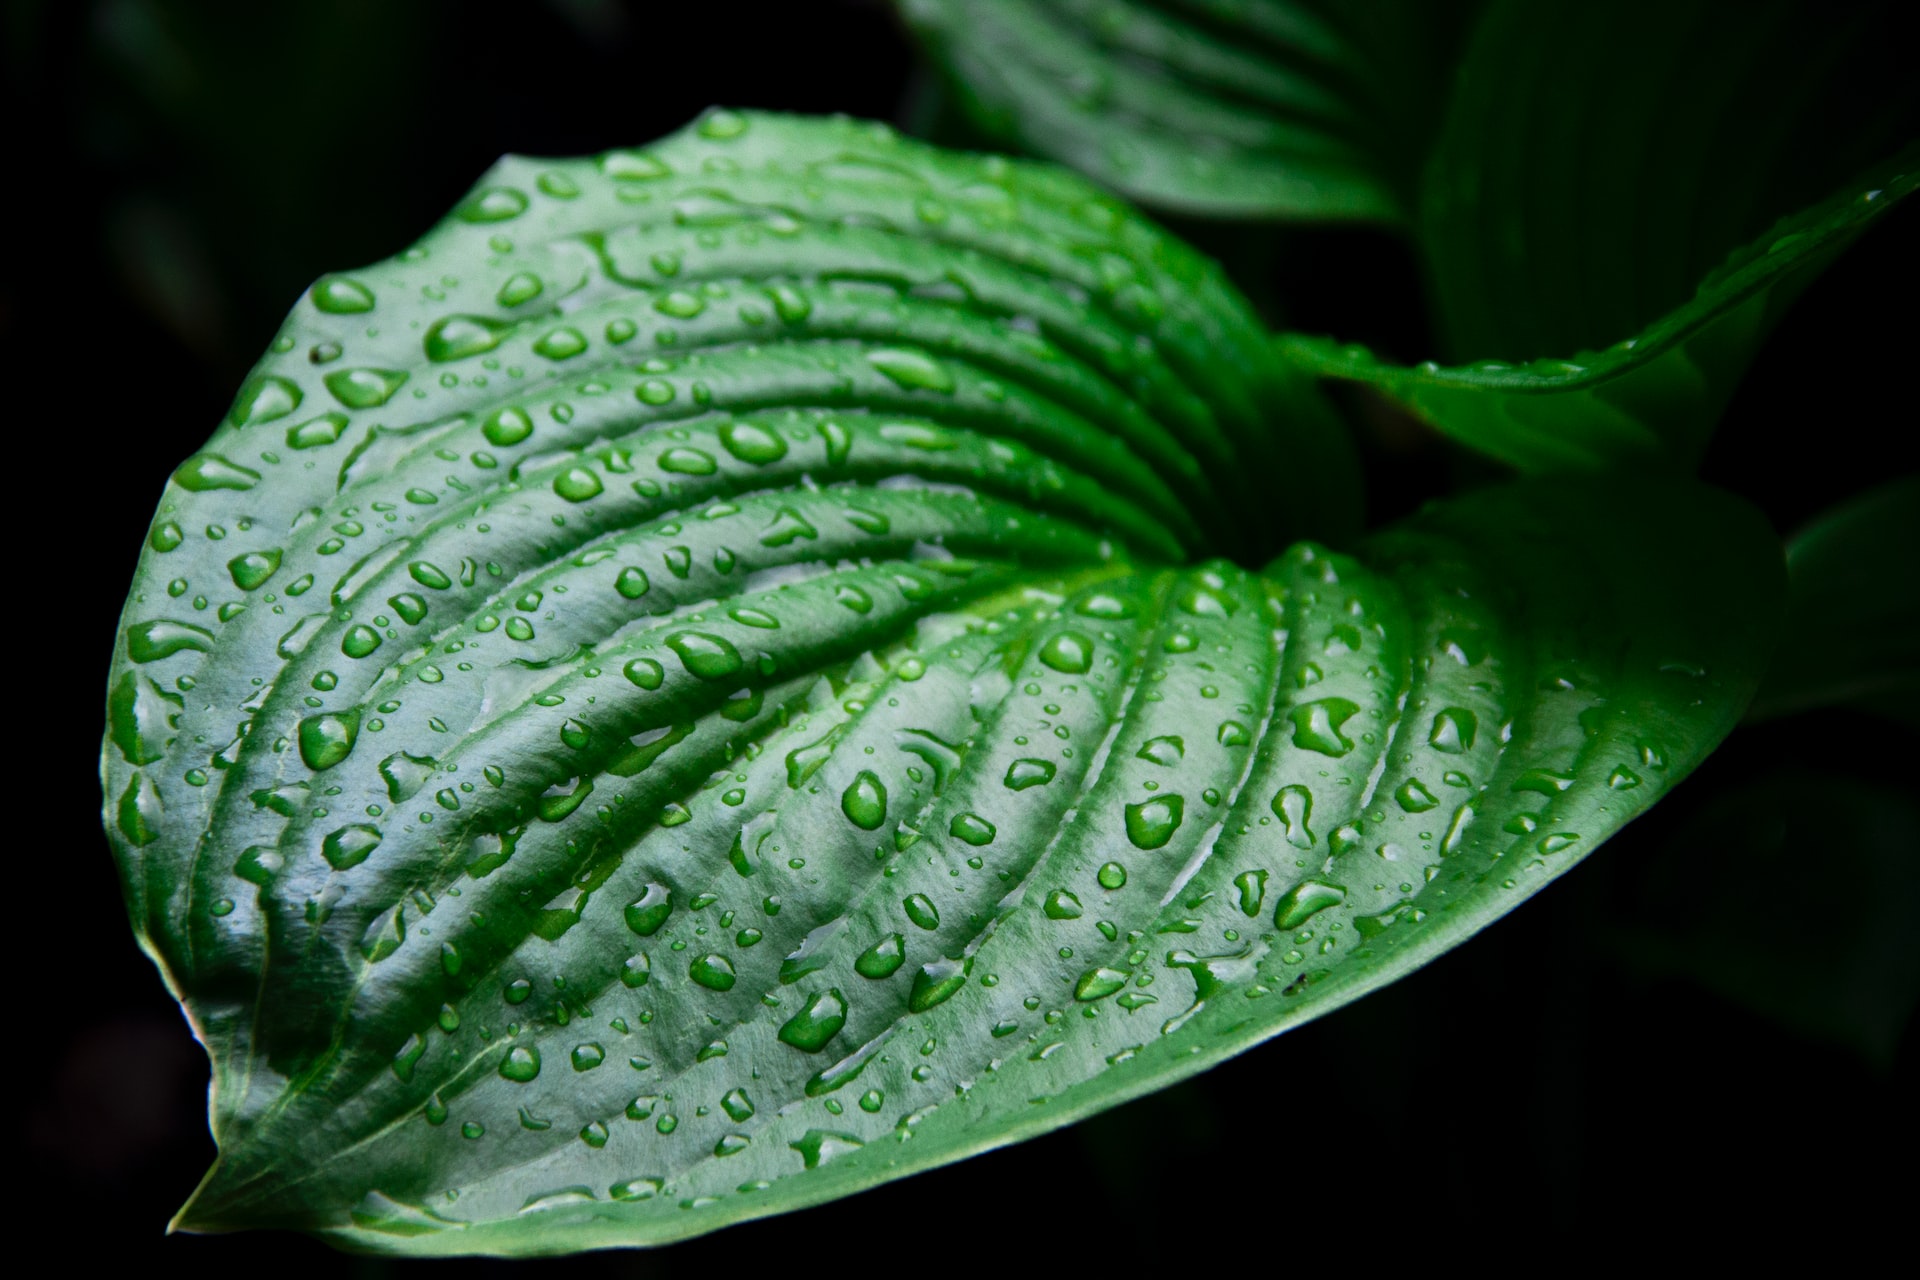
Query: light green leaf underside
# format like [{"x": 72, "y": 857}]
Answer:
[
  {"x": 729, "y": 740},
  {"x": 1271, "y": 110},
  {"x": 1622, "y": 201},
  {"x": 1648, "y": 402},
  {"x": 1852, "y": 630}
]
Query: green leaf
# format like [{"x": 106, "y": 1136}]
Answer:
[
  {"x": 1622, "y": 201},
  {"x": 1852, "y": 632},
  {"x": 733, "y": 737},
  {"x": 1277, "y": 109}
]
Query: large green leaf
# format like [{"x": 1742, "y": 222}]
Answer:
[
  {"x": 1270, "y": 109},
  {"x": 1852, "y": 630},
  {"x": 666, "y": 702},
  {"x": 1623, "y": 200}
]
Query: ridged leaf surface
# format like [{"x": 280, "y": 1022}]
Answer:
[
  {"x": 704, "y": 686},
  {"x": 1271, "y": 109}
]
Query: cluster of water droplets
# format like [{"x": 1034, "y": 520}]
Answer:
[{"x": 663, "y": 686}]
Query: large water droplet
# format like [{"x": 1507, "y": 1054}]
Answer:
[
  {"x": 865, "y": 801},
  {"x": 1151, "y": 823}
]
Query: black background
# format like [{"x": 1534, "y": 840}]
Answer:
[{"x": 185, "y": 169}]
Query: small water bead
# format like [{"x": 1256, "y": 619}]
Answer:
[
  {"x": 458, "y": 337},
  {"x": 645, "y": 672},
  {"x": 1027, "y": 772},
  {"x": 1453, "y": 731},
  {"x": 1317, "y": 726},
  {"x": 818, "y": 1022},
  {"x": 883, "y": 959},
  {"x": 519, "y": 288},
  {"x": 507, "y": 426},
  {"x": 935, "y": 983},
  {"x": 972, "y": 829},
  {"x": 709, "y": 657},
  {"x": 364, "y": 388},
  {"x": 921, "y": 911},
  {"x": 1304, "y": 901},
  {"x": 1098, "y": 984},
  {"x": 912, "y": 370},
  {"x": 645, "y": 914},
  {"x": 359, "y": 641},
  {"x": 341, "y": 296},
  {"x": 1414, "y": 797},
  {"x": 1112, "y": 876},
  {"x": 865, "y": 801},
  {"x": 714, "y": 972},
  {"x": 1061, "y": 905},
  {"x": 1068, "y": 652},
  {"x": 577, "y": 484},
  {"x": 687, "y": 462},
  {"x": 521, "y": 1065},
  {"x": 1168, "y": 750},
  {"x": 1151, "y": 823},
  {"x": 1252, "y": 888}
]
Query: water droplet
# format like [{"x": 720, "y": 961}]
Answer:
[
  {"x": 561, "y": 344},
  {"x": 1069, "y": 652},
  {"x": 1098, "y": 984},
  {"x": 521, "y": 1064},
  {"x": 364, "y": 388},
  {"x": 722, "y": 125},
  {"x": 1025, "y": 772},
  {"x": 491, "y": 204},
  {"x": 326, "y": 740},
  {"x": 912, "y": 370},
  {"x": 577, "y": 484},
  {"x": 1168, "y": 750},
  {"x": 1304, "y": 901},
  {"x": 714, "y": 972},
  {"x": 1112, "y": 876},
  {"x": 358, "y": 642},
  {"x": 341, "y": 296},
  {"x": 263, "y": 399},
  {"x": 712, "y": 658},
  {"x": 1151, "y": 823},
  {"x": 816, "y": 1024},
  {"x": 937, "y": 982},
  {"x": 1414, "y": 796},
  {"x": 819, "y": 1146},
  {"x": 1453, "y": 731},
  {"x": 522, "y": 286},
  {"x": 1293, "y": 805},
  {"x": 688, "y": 462},
  {"x": 921, "y": 911},
  {"x": 204, "y": 472},
  {"x": 865, "y": 801},
  {"x": 883, "y": 959},
  {"x": 507, "y": 426},
  {"x": 1061, "y": 905},
  {"x": 457, "y": 337},
  {"x": 752, "y": 443},
  {"x": 1316, "y": 726},
  {"x": 650, "y": 910},
  {"x": 971, "y": 828},
  {"x": 254, "y": 568},
  {"x": 349, "y": 846},
  {"x": 1252, "y": 886}
]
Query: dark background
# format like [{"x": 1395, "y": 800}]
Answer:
[{"x": 1704, "y": 1030}]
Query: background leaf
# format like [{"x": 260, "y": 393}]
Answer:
[
  {"x": 1275, "y": 109},
  {"x": 1621, "y": 203},
  {"x": 1852, "y": 633}
]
